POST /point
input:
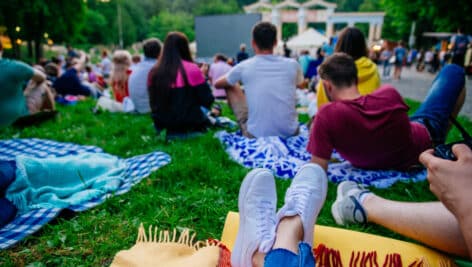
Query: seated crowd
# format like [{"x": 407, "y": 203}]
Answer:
[{"x": 365, "y": 122}]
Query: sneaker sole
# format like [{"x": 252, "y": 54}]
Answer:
[
  {"x": 336, "y": 214},
  {"x": 245, "y": 186}
]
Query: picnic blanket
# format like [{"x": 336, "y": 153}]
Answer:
[
  {"x": 285, "y": 156},
  {"x": 136, "y": 168}
]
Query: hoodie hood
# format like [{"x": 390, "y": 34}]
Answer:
[
  {"x": 368, "y": 80},
  {"x": 368, "y": 76}
]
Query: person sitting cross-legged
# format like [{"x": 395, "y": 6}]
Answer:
[
  {"x": 267, "y": 107},
  {"x": 374, "y": 131},
  {"x": 445, "y": 225},
  {"x": 16, "y": 102},
  {"x": 267, "y": 238}
]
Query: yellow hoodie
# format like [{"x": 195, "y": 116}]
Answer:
[{"x": 368, "y": 80}]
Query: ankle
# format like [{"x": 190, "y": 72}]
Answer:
[
  {"x": 289, "y": 234},
  {"x": 293, "y": 225}
]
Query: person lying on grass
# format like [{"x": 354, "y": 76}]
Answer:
[
  {"x": 267, "y": 107},
  {"x": 374, "y": 131},
  {"x": 445, "y": 225},
  {"x": 16, "y": 102},
  {"x": 265, "y": 237}
]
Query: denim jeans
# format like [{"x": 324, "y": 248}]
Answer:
[
  {"x": 285, "y": 258},
  {"x": 439, "y": 104},
  {"x": 7, "y": 176}
]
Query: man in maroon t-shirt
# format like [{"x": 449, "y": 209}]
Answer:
[{"x": 374, "y": 131}]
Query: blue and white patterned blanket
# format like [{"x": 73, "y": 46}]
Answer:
[
  {"x": 138, "y": 167},
  {"x": 284, "y": 156}
]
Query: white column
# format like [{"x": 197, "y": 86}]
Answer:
[
  {"x": 301, "y": 20},
  {"x": 276, "y": 21},
  {"x": 378, "y": 31},
  {"x": 371, "y": 33},
  {"x": 329, "y": 29}
]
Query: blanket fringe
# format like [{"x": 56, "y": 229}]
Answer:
[
  {"x": 327, "y": 257},
  {"x": 185, "y": 237}
]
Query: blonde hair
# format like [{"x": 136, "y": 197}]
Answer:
[{"x": 119, "y": 72}]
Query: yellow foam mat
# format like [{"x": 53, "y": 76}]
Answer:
[{"x": 347, "y": 241}]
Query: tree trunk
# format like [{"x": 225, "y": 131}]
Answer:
[
  {"x": 38, "y": 36},
  {"x": 30, "y": 49}
]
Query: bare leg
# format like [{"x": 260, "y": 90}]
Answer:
[
  {"x": 289, "y": 235},
  {"x": 237, "y": 102},
  {"x": 430, "y": 223}
]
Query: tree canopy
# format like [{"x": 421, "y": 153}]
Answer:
[{"x": 92, "y": 22}]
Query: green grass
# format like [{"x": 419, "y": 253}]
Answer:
[{"x": 196, "y": 190}]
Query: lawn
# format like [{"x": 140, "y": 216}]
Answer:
[{"x": 195, "y": 191}]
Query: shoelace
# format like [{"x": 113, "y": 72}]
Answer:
[
  {"x": 297, "y": 198},
  {"x": 266, "y": 225}
]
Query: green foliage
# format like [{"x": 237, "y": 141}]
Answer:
[
  {"x": 166, "y": 22},
  {"x": 430, "y": 15},
  {"x": 216, "y": 7},
  {"x": 289, "y": 30}
]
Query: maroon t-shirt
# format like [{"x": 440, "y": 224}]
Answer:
[{"x": 372, "y": 131}]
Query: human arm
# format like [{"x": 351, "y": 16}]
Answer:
[
  {"x": 38, "y": 76},
  {"x": 451, "y": 182},
  {"x": 235, "y": 95},
  {"x": 320, "y": 161},
  {"x": 301, "y": 82},
  {"x": 319, "y": 143}
]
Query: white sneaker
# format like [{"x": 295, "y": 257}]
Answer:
[
  {"x": 305, "y": 197},
  {"x": 257, "y": 220}
]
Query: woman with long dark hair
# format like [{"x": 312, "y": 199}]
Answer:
[
  {"x": 178, "y": 90},
  {"x": 352, "y": 42}
]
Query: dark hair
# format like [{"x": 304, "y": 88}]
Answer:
[
  {"x": 51, "y": 70},
  {"x": 264, "y": 35},
  {"x": 164, "y": 74},
  {"x": 221, "y": 57},
  {"x": 352, "y": 42},
  {"x": 152, "y": 48},
  {"x": 340, "y": 69}
]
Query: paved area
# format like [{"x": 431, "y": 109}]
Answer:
[{"x": 415, "y": 85}]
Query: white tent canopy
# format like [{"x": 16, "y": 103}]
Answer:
[{"x": 309, "y": 39}]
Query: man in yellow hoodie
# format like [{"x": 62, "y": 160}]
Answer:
[{"x": 352, "y": 42}]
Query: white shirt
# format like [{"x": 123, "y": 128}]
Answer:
[
  {"x": 137, "y": 85},
  {"x": 270, "y": 86},
  {"x": 106, "y": 66}
]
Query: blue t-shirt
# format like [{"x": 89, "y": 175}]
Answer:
[
  {"x": 400, "y": 54},
  {"x": 13, "y": 77}
]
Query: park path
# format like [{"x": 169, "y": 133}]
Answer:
[{"x": 415, "y": 85}]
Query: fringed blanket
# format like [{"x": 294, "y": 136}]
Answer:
[
  {"x": 284, "y": 156},
  {"x": 136, "y": 169}
]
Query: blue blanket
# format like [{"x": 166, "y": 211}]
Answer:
[
  {"x": 284, "y": 156},
  {"x": 135, "y": 169}
]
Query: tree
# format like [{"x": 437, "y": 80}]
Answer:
[
  {"x": 430, "y": 15},
  {"x": 166, "y": 22},
  {"x": 59, "y": 19}
]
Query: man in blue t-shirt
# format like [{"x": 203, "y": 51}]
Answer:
[
  {"x": 14, "y": 76},
  {"x": 459, "y": 43},
  {"x": 400, "y": 56}
]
